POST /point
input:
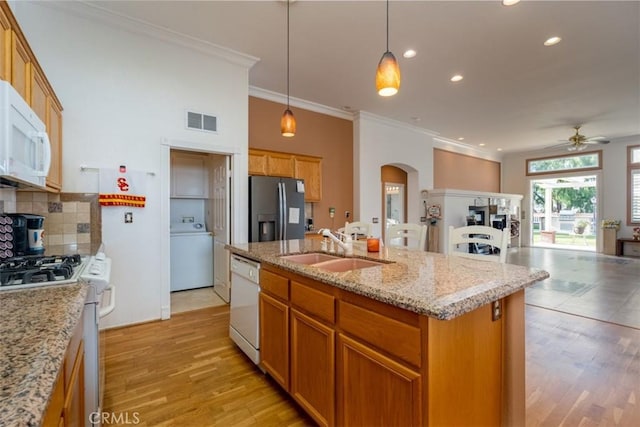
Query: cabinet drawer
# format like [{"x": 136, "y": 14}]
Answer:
[
  {"x": 396, "y": 338},
  {"x": 274, "y": 284},
  {"x": 313, "y": 301}
]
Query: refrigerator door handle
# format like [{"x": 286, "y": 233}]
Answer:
[
  {"x": 284, "y": 212},
  {"x": 280, "y": 213}
]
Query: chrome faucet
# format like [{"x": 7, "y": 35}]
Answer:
[{"x": 346, "y": 245}]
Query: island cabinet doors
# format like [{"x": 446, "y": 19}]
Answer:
[
  {"x": 274, "y": 339},
  {"x": 313, "y": 367},
  {"x": 375, "y": 390}
]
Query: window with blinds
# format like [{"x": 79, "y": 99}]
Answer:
[{"x": 634, "y": 185}]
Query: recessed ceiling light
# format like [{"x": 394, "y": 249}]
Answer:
[
  {"x": 482, "y": 144},
  {"x": 456, "y": 78},
  {"x": 409, "y": 53},
  {"x": 510, "y": 2},
  {"x": 461, "y": 138},
  {"x": 499, "y": 149},
  {"x": 552, "y": 40}
]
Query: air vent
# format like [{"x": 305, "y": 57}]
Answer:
[{"x": 200, "y": 121}]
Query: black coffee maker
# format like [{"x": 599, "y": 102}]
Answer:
[{"x": 28, "y": 233}]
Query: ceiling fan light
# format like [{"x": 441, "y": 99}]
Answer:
[
  {"x": 288, "y": 124},
  {"x": 388, "y": 75}
]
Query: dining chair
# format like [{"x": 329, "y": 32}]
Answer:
[
  {"x": 407, "y": 235},
  {"x": 357, "y": 229},
  {"x": 481, "y": 242}
]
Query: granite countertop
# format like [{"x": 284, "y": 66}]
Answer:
[
  {"x": 36, "y": 325},
  {"x": 423, "y": 282}
]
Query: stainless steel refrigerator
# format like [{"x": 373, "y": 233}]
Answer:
[{"x": 276, "y": 208}]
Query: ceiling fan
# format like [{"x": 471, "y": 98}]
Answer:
[{"x": 578, "y": 142}]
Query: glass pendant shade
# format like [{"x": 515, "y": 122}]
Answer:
[
  {"x": 288, "y": 123},
  {"x": 388, "y": 75}
]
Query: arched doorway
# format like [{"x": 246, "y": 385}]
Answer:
[{"x": 394, "y": 196}]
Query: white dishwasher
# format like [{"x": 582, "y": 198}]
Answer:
[
  {"x": 244, "y": 324},
  {"x": 191, "y": 260}
]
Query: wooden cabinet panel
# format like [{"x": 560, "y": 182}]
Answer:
[
  {"x": 189, "y": 176},
  {"x": 39, "y": 94},
  {"x": 465, "y": 386},
  {"x": 54, "y": 130},
  {"x": 313, "y": 301},
  {"x": 5, "y": 47},
  {"x": 257, "y": 163},
  {"x": 20, "y": 67},
  {"x": 313, "y": 367},
  {"x": 53, "y": 414},
  {"x": 280, "y": 164},
  {"x": 274, "y": 339},
  {"x": 274, "y": 284},
  {"x": 310, "y": 170},
  {"x": 375, "y": 390},
  {"x": 397, "y": 338},
  {"x": 74, "y": 399}
]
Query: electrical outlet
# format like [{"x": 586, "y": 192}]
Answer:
[
  {"x": 128, "y": 217},
  {"x": 374, "y": 220},
  {"x": 332, "y": 212},
  {"x": 347, "y": 214}
]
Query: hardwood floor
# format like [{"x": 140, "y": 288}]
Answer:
[{"x": 187, "y": 372}]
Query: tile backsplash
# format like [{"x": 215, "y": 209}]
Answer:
[{"x": 72, "y": 220}]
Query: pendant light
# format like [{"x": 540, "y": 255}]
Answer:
[
  {"x": 288, "y": 121},
  {"x": 388, "y": 74}
]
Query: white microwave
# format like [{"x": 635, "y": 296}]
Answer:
[{"x": 25, "y": 151}]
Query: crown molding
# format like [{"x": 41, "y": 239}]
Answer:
[
  {"x": 88, "y": 10},
  {"x": 299, "y": 103},
  {"x": 394, "y": 123}
]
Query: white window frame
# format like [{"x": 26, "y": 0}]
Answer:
[
  {"x": 633, "y": 185},
  {"x": 596, "y": 167}
]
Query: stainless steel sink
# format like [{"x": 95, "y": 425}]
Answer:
[
  {"x": 347, "y": 264},
  {"x": 310, "y": 258}
]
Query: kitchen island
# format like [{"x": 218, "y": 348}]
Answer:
[
  {"x": 36, "y": 329},
  {"x": 420, "y": 339}
]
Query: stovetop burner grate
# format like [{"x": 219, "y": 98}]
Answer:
[{"x": 38, "y": 269}]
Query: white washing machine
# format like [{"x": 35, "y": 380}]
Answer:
[{"x": 191, "y": 259}]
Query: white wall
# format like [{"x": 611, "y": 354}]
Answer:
[
  {"x": 613, "y": 191},
  {"x": 377, "y": 142},
  {"x": 124, "y": 94}
]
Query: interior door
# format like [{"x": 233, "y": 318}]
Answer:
[{"x": 221, "y": 279}]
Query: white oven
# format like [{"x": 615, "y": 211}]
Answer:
[{"x": 99, "y": 303}]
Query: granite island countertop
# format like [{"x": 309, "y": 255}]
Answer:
[
  {"x": 36, "y": 325},
  {"x": 427, "y": 283}
]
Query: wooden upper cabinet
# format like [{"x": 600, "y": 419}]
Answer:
[
  {"x": 257, "y": 163},
  {"x": 20, "y": 67},
  {"x": 280, "y": 164},
  {"x": 273, "y": 163},
  {"x": 39, "y": 94},
  {"x": 310, "y": 170},
  {"x": 5, "y": 47},
  {"x": 54, "y": 130}
]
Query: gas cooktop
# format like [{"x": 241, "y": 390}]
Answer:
[{"x": 39, "y": 270}]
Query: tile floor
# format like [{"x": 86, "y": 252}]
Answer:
[
  {"x": 194, "y": 299},
  {"x": 587, "y": 284}
]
